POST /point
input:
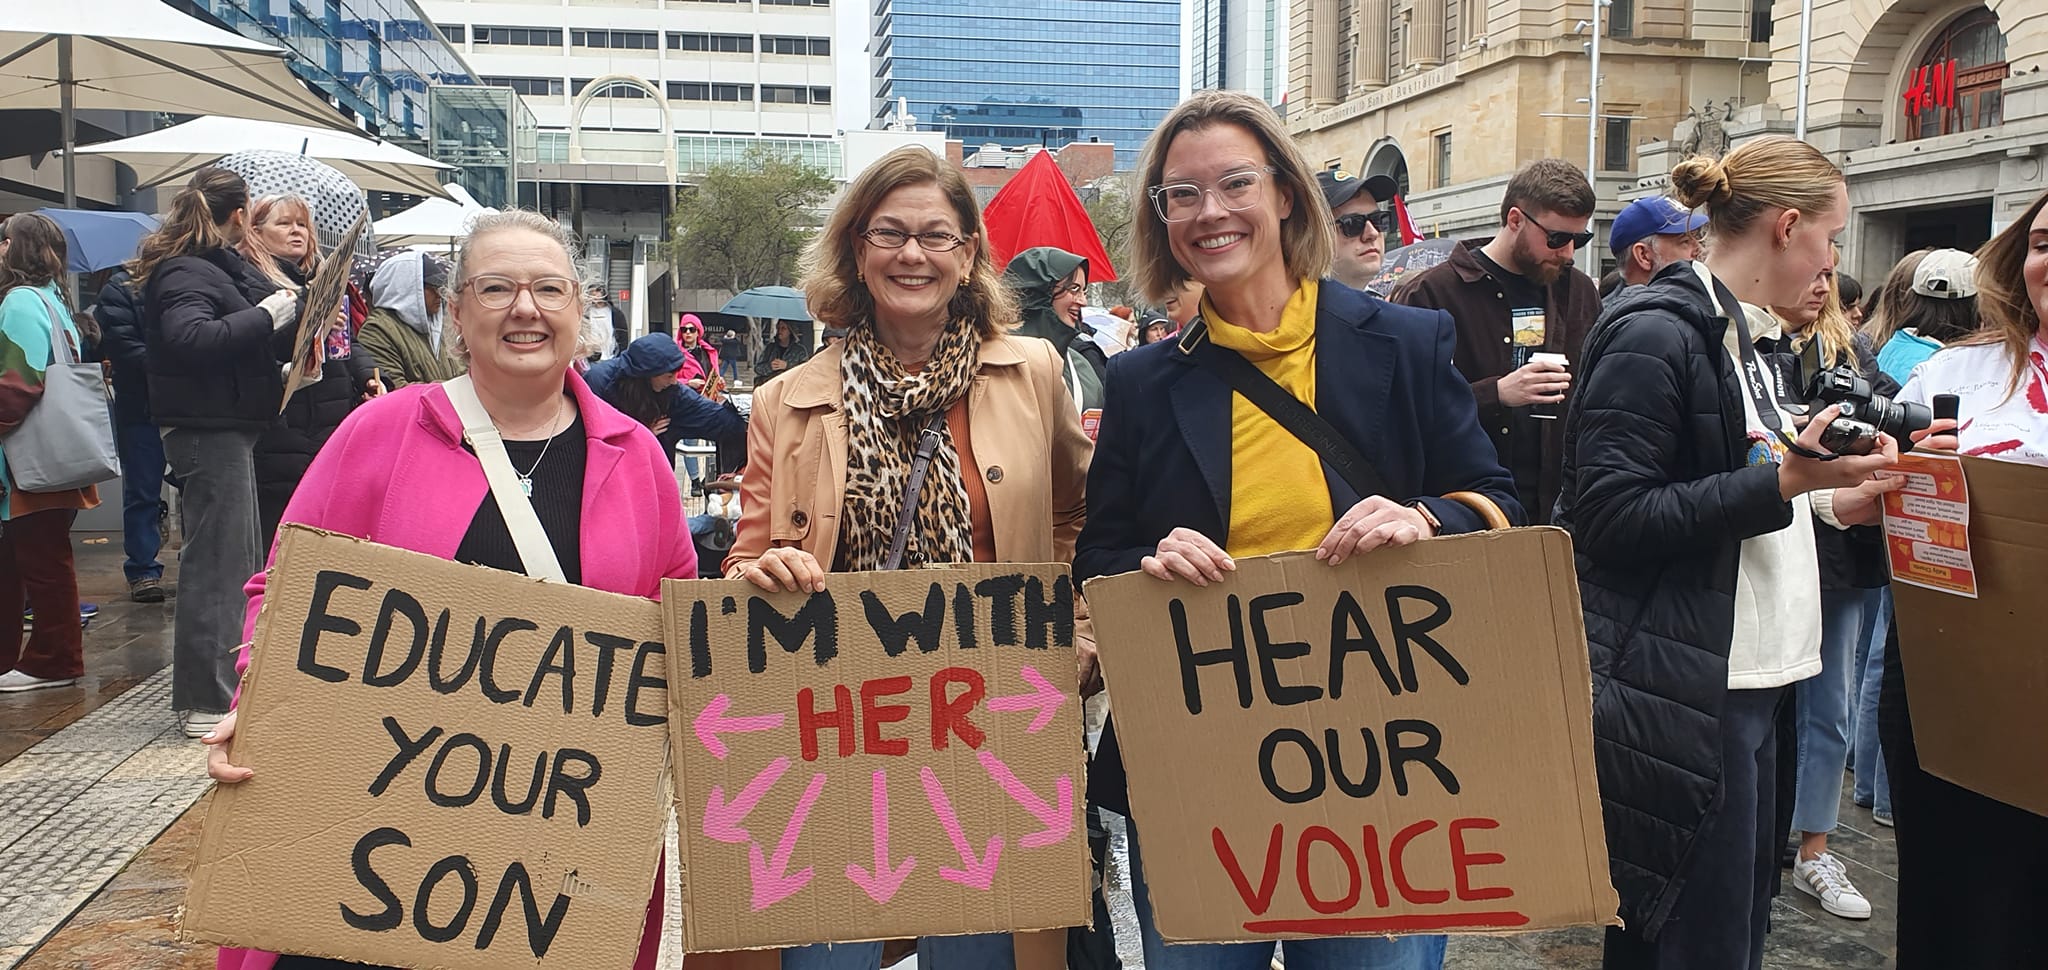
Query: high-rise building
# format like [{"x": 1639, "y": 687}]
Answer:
[
  {"x": 1029, "y": 72},
  {"x": 1238, "y": 45},
  {"x": 719, "y": 77}
]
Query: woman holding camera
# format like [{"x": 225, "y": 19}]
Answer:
[
  {"x": 1691, "y": 503},
  {"x": 1970, "y": 884}
]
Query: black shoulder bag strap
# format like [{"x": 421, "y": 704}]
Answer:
[
  {"x": 1755, "y": 380},
  {"x": 1284, "y": 408},
  {"x": 928, "y": 440}
]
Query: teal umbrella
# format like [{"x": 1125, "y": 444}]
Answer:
[{"x": 769, "y": 302}]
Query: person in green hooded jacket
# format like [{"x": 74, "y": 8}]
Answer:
[{"x": 1051, "y": 286}]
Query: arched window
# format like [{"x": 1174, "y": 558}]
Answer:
[{"x": 1955, "y": 86}]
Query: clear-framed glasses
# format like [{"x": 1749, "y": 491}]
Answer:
[
  {"x": 549, "y": 292},
  {"x": 1181, "y": 201},
  {"x": 931, "y": 242},
  {"x": 1353, "y": 223},
  {"x": 1068, "y": 289}
]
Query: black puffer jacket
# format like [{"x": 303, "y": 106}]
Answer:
[
  {"x": 214, "y": 360},
  {"x": 119, "y": 313},
  {"x": 1658, "y": 497},
  {"x": 286, "y": 450}
]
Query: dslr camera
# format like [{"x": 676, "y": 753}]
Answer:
[{"x": 1864, "y": 413}]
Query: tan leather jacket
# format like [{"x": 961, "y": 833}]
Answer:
[{"x": 1026, "y": 438}]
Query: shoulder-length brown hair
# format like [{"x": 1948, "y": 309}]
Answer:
[
  {"x": 197, "y": 221},
  {"x": 2006, "y": 318},
  {"x": 1305, "y": 237},
  {"x": 832, "y": 287}
]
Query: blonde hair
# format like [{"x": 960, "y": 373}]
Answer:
[
  {"x": 1774, "y": 172},
  {"x": 1306, "y": 241},
  {"x": 258, "y": 251},
  {"x": 1832, "y": 328},
  {"x": 590, "y": 338},
  {"x": 2006, "y": 318},
  {"x": 197, "y": 221},
  {"x": 833, "y": 290}
]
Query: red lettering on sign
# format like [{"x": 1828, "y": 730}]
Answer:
[
  {"x": 1369, "y": 842},
  {"x": 1397, "y": 850},
  {"x": 1463, "y": 861},
  {"x": 1313, "y": 835},
  {"x": 874, "y": 715},
  {"x": 1931, "y": 86},
  {"x": 839, "y": 717},
  {"x": 951, "y": 716},
  {"x": 1269, "y": 879}
]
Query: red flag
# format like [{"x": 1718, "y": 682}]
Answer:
[
  {"x": 1409, "y": 234},
  {"x": 1039, "y": 208}
]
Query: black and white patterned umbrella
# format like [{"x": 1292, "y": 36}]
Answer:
[{"x": 336, "y": 201}]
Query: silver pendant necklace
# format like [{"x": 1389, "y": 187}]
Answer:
[{"x": 526, "y": 477}]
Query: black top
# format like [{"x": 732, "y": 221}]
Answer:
[
  {"x": 1523, "y": 444},
  {"x": 557, "y": 499},
  {"x": 1521, "y": 291}
]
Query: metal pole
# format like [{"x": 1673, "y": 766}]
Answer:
[
  {"x": 66, "y": 120},
  {"x": 1593, "y": 136},
  {"x": 1805, "y": 66}
]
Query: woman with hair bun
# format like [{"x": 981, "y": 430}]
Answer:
[{"x": 1690, "y": 501}]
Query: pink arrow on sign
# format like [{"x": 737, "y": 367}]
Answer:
[
  {"x": 1058, "y": 820},
  {"x": 1045, "y": 698},
  {"x": 881, "y": 884},
  {"x": 978, "y": 873},
  {"x": 712, "y": 722},
  {"x": 773, "y": 882},
  {"x": 722, "y": 819}
]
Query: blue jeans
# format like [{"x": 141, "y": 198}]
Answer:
[
  {"x": 1873, "y": 786},
  {"x": 1329, "y": 953},
  {"x": 1845, "y": 615},
  {"x": 142, "y": 487},
  {"x": 979, "y": 951}
]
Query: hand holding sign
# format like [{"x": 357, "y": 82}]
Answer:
[
  {"x": 217, "y": 766},
  {"x": 1190, "y": 555}
]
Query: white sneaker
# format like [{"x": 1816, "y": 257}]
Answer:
[
  {"x": 1826, "y": 879},
  {"x": 199, "y": 724},
  {"x": 15, "y": 680}
]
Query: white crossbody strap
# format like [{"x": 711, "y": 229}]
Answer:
[{"x": 520, "y": 520}]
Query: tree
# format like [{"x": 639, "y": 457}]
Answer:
[
  {"x": 744, "y": 223},
  {"x": 1110, "y": 209}
]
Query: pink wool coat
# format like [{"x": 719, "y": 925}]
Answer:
[{"x": 396, "y": 473}]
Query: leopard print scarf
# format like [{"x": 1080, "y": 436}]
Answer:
[{"x": 886, "y": 408}]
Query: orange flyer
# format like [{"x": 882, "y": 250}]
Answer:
[{"x": 1927, "y": 526}]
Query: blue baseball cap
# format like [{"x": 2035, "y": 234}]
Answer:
[{"x": 1656, "y": 215}]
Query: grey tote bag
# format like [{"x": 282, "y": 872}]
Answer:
[{"x": 67, "y": 440}]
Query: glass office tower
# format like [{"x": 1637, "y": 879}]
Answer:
[{"x": 1030, "y": 72}]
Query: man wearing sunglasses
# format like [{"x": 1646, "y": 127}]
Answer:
[
  {"x": 1362, "y": 224},
  {"x": 1522, "y": 312}
]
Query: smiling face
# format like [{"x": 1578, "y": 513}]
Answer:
[
  {"x": 1219, "y": 247},
  {"x": 2035, "y": 269},
  {"x": 1069, "y": 294},
  {"x": 1358, "y": 259},
  {"x": 285, "y": 232},
  {"x": 523, "y": 341},
  {"x": 912, "y": 287}
]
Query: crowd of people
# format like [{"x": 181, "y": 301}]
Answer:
[{"x": 1740, "y": 633}]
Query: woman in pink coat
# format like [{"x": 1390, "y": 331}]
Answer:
[
  {"x": 700, "y": 358},
  {"x": 397, "y": 472}
]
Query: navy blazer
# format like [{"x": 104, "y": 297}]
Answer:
[{"x": 1384, "y": 380}]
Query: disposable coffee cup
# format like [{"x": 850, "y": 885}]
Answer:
[{"x": 1548, "y": 412}]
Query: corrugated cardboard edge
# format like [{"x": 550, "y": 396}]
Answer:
[
  {"x": 200, "y": 878},
  {"x": 1561, "y": 573}
]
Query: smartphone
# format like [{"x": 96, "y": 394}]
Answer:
[{"x": 1945, "y": 406}]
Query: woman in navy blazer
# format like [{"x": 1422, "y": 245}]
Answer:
[{"x": 1232, "y": 204}]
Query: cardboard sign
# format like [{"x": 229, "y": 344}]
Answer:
[
  {"x": 897, "y": 756},
  {"x": 1400, "y": 744},
  {"x": 1927, "y": 526},
  {"x": 454, "y": 767},
  {"x": 1977, "y": 669},
  {"x": 317, "y": 305}
]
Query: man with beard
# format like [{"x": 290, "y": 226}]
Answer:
[
  {"x": 1522, "y": 314},
  {"x": 1363, "y": 224}
]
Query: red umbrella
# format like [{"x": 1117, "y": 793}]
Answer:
[{"x": 1039, "y": 208}]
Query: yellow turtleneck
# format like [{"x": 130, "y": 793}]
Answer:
[{"x": 1278, "y": 498}]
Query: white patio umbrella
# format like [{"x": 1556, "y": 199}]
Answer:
[
  {"x": 435, "y": 222},
  {"x": 143, "y": 55},
  {"x": 173, "y": 153}
]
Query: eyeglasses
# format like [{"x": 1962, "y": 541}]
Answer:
[
  {"x": 1066, "y": 289},
  {"x": 1557, "y": 240},
  {"x": 931, "y": 242},
  {"x": 499, "y": 292},
  {"x": 1353, "y": 223},
  {"x": 1181, "y": 201}
]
